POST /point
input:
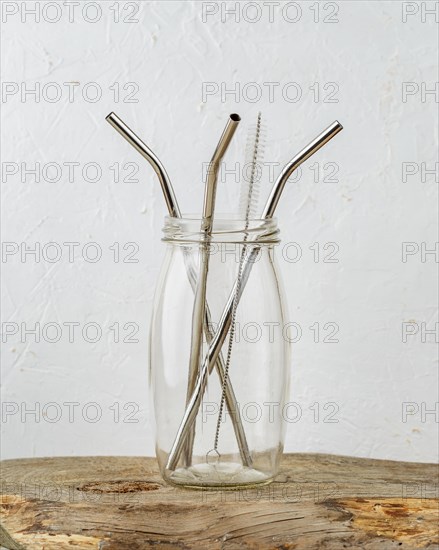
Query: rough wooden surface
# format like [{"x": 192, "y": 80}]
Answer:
[{"x": 318, "y": 501}]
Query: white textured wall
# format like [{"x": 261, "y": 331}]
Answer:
[{"x": 367, "y": 208}]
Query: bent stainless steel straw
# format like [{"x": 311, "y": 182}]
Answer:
[
  {"x": 191, "y": 411},
  {"x": 134, "y": 140},
  {"x": 174, "y": 211},
  {"x": 200, "y": 294}
]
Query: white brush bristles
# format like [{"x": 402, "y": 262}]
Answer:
[{"x": 251, "y": 172}]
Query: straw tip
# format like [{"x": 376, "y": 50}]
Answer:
[
  {"x": 235, "y": 117},
  {"x": 337, "y": 123},
  {"x": 110, "y": 116}
]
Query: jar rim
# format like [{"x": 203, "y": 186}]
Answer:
[{"x": 226, "y": 228}]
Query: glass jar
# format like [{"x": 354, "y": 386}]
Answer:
[{"x": 226, "y": 429}]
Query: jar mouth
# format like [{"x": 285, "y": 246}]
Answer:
[{"x": 228, "y": 228}]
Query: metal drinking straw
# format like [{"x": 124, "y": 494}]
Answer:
[
  {"x": 134, "y": 140},
  {"x": 191, "y": 411},
  {"x": 248, "y": 204},
  {"x": 174, "y": 211},
  {"x": 200, "y": 294}
]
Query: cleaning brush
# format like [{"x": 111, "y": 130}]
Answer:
[
  {"x": 252, "y": 171},
  {"x": 250, "y": 184}
]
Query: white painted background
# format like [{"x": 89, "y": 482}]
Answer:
[{"x": 369, "y": 212}]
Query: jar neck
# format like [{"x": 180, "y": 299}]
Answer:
[{"x": 226, "y": 229}]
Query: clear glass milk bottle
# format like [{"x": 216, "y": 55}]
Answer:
[{"x": 227, "y": 429}]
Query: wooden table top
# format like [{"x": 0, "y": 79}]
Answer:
[{"x": 121, "y": 503}]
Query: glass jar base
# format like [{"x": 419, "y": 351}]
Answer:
[{"x": 218, "y": 475}]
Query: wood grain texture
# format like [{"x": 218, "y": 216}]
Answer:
[{"x": 121, "y": 503}]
